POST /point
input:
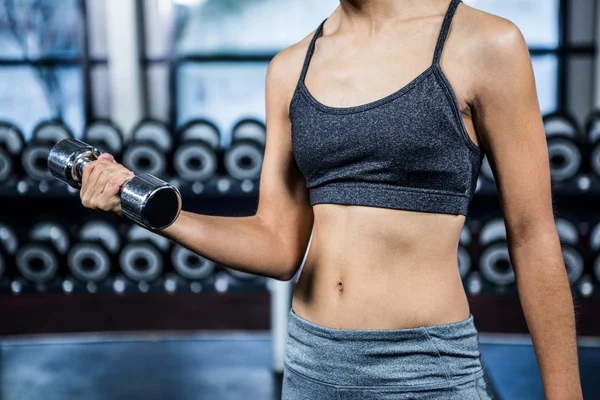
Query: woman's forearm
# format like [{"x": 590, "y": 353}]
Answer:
[
  {"x": 547, "y": 303},
  {"x": 243, "y": 243}
]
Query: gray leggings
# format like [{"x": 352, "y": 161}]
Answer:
[{"x": 428, "y": 362}]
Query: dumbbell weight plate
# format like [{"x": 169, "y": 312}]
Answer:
[
  {"x": 145, "y": 158},
  {"x": 103, "y": 232},
  {"x": 137, "y": 233},
  {"x": 11, "y": 138},
  {"x": 153, "y": 131},
  {"x": 595, "y": 159},
  {"x": 194, "y": 161},
  {"x": 250, "y": 129},
  {"x": 37, "y": 261},
  {"x": 243, "y": 160},
  {"x": 51, "y": 131},
  {"x": 11, "y": 147},
  {"x": 35, "y": 162},
  {"x": 567, "y": 231},
  {"x": 573, "y": 262},
  {"x": 35, "y": 156},
  {"x": 141, "y": 261},
  {"x": 565, "y": 159},
  {"x": 8, "y": 238},
  {"x": 492, "y": 230},
  {"x": 53, "y": 233},
  {"x": 89, "y": 262},
  {"x": 495, "y": 265},
  {"x": 105, "y": 136},
  {"x": 191, "y": 265},
  {"x": 202, "y": 130},
  {"x": 596, "y": 267},
  {"x": 561, "y": 124},
  {"x": 593, "y": 127},
  {"x": 594, "y": 237},
  {"x": 6, "y": 166},
  {"x": 465, "y": 235}
]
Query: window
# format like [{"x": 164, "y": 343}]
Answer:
[
  {"x": 223, "y": 49},
  {"x": 219, "y": 44},
  {"x": 40, "y": 48}
]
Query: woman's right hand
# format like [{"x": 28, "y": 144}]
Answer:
[{"x": 101, "y": 184}]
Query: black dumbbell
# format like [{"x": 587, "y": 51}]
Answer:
[
  {"x": 40, "y": 259},
  {"x": 142, "y": 258},
  {"x": 104, "y": 135},
  {"x": 12, "y": 144},
  {"x": 9, "y": 243},
  {"x": 195, "y": 155},
  {"x": 244, "y": 158},
  {"x": 147, "y": 148},
  {"x": 494, "y": 261},
  {"x": 190, "y": 265},
  {"x": 91, "y": 258},
  {"x": 35, "y": 155},
  {"x": 145, "y": 199},
  {"x": 592, "y": 129},
  {"x": 569, "y": 240},
  {"x": 565, "y": 142},
  {"x": 594, "y": 241}
]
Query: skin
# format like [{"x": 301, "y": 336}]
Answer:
[{"x": 375, "y": 268}]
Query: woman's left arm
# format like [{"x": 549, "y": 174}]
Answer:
[{"x": 509, "y": 124}]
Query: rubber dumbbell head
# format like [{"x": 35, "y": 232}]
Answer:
[
  {"x": 35, "y": 155},
  {"x": 12, "y": 144},
  {"x": 569, "y": 239},
  {"x": 194, "y": 158},
  {"x": 564, "y": 142},
  {"x": 494, "y": 262},
  {"x": 243, "y": 159},
  {"x": 147, "y": 148},
  {"x": 90, "y": 260},
  {"x": 39, "y": 260},
  {"x": 190, "y": 265},
  {"x": 141, "y": 261},
  {"x": 104, "y": 135}
]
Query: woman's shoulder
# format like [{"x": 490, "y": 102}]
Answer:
[{"x": 484, "y": 33}]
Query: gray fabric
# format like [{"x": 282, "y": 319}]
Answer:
[
  {"x": 428, "y": 362},
  {"x": 408, "y": 150}
]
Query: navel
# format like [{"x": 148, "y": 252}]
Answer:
[{"x": 340, "y": 287}]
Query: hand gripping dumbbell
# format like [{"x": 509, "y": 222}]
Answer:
[{"x": 145, "y": 199}]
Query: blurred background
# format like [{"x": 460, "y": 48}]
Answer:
[{"x": 97, "y": 308}]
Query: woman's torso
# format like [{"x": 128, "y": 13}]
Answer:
[{"x": 371, "y": 267}]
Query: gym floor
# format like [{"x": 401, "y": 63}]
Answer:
[{"x": 223, "y": 366}]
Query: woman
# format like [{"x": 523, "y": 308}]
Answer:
[{"x": 377, "y": 124}]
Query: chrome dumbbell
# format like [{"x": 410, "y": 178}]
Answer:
[{"x": 145, "y": 199}]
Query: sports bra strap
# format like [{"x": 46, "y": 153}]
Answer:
[
  {"x": 311, "y": 49},
  {"x": 444, "y": 31}
]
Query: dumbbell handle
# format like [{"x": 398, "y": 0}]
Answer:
[{"x": 145, "y": 199}]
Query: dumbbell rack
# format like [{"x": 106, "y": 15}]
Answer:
[
  {"x": 577, "y": 199},
  {"x": 37, "y": 312},
  {"x": 51, "y": 310}
]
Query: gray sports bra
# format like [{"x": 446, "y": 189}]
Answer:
[{"x": 409, "y": 150}]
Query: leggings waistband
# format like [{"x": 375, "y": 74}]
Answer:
[{"x": 426, "y": 357}]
